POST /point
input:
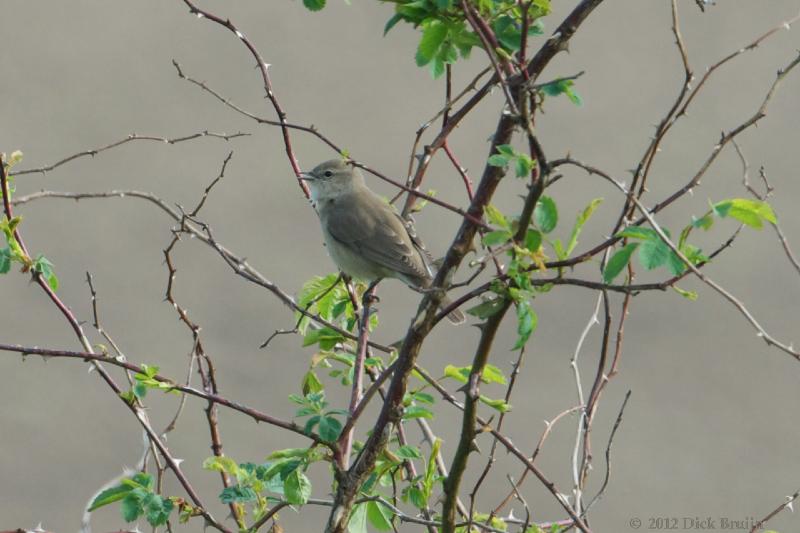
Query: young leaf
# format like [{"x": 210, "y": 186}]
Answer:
[
  {"x": 523, "y": 166},
  {"x": 583, "y": 217},
  {"x": 379, "y": 516},
  {"x": 618, "y": 262},
  {"x": 546, "y": 214},
  {"x": 533, "y": 240},
  {"x": 494, "y": 238},
  {"x": 109, "y": 496},
  {"x": 433, "y": 35},
  {"x": 311, "y": 383},
  {"x": 408, "y": 452},
  {"x": 358, "y": 519},
  {"x": 397, "y": 17},
  {"x": 653, "y": 253},
  {"x": 329, "y": 428},
  {"x": 748, "y": 212},
  {"x": 131, "y": 506},
  {"x": 498, "y": 160},
  {"x": 5, "y": 260},
  {"x": 492, "y": 374},
  {"x": 498, "y": 404},
  {"x": 496, "y": 218},
  {"x": 314, "y": 5},
  {"x": 237, "y": 494},
  {"x": 487, "y": 308},
  {"x": 157, "y": 509},
  {"x": 416, "y": 411},
  {"x": 297, "y": 488},
  {"x": 526, "y": 324}
]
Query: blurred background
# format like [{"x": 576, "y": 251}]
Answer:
[{"x": 711, "y": 428}]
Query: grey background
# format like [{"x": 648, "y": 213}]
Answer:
[{"x": 711, "y": 428}]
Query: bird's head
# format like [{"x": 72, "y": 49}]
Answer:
[{"x": 331, "y": 179}]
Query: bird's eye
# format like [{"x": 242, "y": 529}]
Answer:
[{"x": 328, "y": 173}]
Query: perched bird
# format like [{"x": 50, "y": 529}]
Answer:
[{"x": 365, "y": 236}]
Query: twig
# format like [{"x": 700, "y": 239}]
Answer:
[
  {"x": 132, "y": 137},
  {"x": 788, "y": 504},
  {"x": 256, "y": 415}
]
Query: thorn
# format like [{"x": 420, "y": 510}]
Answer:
[{"x": 200, "y": 15}]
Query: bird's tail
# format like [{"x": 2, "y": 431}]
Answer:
[{"x": 455, "y": 316}]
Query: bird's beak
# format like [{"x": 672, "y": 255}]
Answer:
[{"x": 305, "y": 176}]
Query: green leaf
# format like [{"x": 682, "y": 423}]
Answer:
[
  {"x": 237, "y": 494},
  {"x": 749, "y": 212},
  {"x": 314, "y": 5},
  {"x": 583, "y": 217},
  {"x": 458, "y": 373},
  {"x": 564, "y": 87},
  {"x": 691, "y": 295},
  {"x": 379, "y": 516},
  {"x": 310, "y": 423},
  {"x": 221, "y": 464},
  {"x": 416, "y": 411},
  {"x": 499, "y": 160},
  {"x": 487, "y": 308},
  {"x": 297, "y": 488},
  {"x": 424, "y": 398},
  {"x": 546, "y": 214},
  {"x": 497, "y": 218},
  {"x": 507, "y": 32},
  {"x": 139, "y": 390},
  {"x": 675, "y": 264},
  {"x": 653, "y": 253},
  {"x": 325, "y": 337},
  {"x": 311, "y": 383},
  {"x": 358, "y": 519},
  {"x": 533, "y": 240},
  {"x": 139, "y": 480},
  {"x": 131, "y": 506},
  {"x": 524, "y": 166},
  {"x": 526, "y": 324},
  {"x": 433, "y": 35},
  {"x": 288, "y": 452},
  {"x": 44, "y": 267},
  {"x": 618, "y": 262},
  {"x": 430, "y": 470},
  {"x": 397, "y": 17},
  {"x": 415, "y": 496},
  {"x": 329, "y": 428},
  {"x": 492, "y": 374},
  {"x": 5, "y": 260},
  {"x": 705, "y": 222},
  {"x": 437, "y": 67},
  {"x": 506, "y": 149},
  {"x": 408, "y": 452},
  {"x": 108, "y": 496},
  {"x": 158, "y": 509},
  {"x": 499, "y": 404},
  {"x": 494, "y": 238},
  {"x": 636, "y": 232}
]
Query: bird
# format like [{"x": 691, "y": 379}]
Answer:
[{"x": 365, "y": 236}]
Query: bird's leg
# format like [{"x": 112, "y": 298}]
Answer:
[{"x": 351, "y": 291}]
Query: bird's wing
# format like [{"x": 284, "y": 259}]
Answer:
[{"x": 377, "y": 234}]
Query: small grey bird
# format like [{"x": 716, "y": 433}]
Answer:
[{"x": 365, "y": 236}]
